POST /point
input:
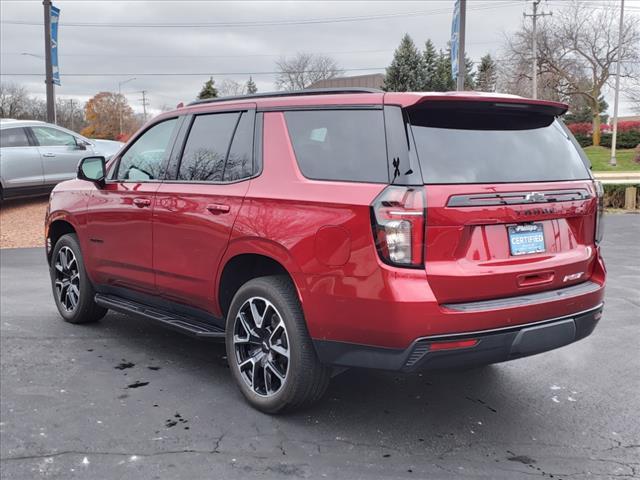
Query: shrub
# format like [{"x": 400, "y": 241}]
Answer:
[
  {"x": 625, "y": 139},
  {"x": 628, "y": 134},
  {"x": 629, "y": 126},
  {"x": 584, "y": 140},
  {"x": 583, "y": 128},
  {"x": 614, "y": 196}
]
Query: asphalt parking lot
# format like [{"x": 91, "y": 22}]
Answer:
[{"x": 127, "y": 399}]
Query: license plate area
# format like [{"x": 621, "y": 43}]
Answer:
[{"x": 525, "y": 239}]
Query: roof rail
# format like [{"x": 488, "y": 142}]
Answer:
[{"x": 297, "y": 93}]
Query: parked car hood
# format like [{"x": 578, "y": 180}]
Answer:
[{"x": 106, "y": 148}]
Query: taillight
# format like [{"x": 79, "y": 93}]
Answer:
[
  {"x": 600, "y": 213},
  {"x": 398, "y": 219}
]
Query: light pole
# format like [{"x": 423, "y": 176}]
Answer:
[
  {"x": 51, "y": 103},
  {"x": 462, "y": 71},
  {"x": 32, "y": 55},
  {"x": 120, "y": 104},
  {"x": 614, "y": 137}
]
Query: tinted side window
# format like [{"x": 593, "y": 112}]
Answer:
[
  {"x": 13, "y": 137},
  {"x": 206, "y": 148},
  {"x": 143, "y": 160},
  {"x": 240, "y": 160},
  {"x": 347, "y": 145},
  {"x": 51, "y": 137}
]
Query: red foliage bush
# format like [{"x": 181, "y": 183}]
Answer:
[
  {"x": 583, "y": 128},
  {"x": 629, "y": 126}
]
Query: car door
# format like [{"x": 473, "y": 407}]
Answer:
[
  {"x": 196, "y": 208},
  {"x": 120, "y": 213},
  {"x": 60, "y": 151},
  {"x": 20, "y": 162}
]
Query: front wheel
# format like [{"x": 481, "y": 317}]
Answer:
[
  {"x": 72, "y": 290},
  {"x": 269, "y": 350}
]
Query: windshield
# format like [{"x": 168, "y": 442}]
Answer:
[{"x": 456, "y": 146}]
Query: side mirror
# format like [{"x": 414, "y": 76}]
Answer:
[
  {"x": 80, "y": 144},
  {"x": 93, "y": 169}
]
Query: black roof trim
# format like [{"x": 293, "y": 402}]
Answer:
[{"x": 298, "y": 93}]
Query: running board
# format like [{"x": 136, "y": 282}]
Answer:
[{"x": 183, "y": 324}]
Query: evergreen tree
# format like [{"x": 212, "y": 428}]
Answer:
[
  {"x": 580, "y": 111},
  {"x": 251, "y": 87},
  {"x": 406, "y": 72},
  {"x": 430, "y": 59},
  {"x": 443, "y": 80},
  {"x": 487, "y": 74},
  {"x": 208, "y": 90}
]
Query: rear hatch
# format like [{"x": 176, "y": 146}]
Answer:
[{"x": 511, "y": 206}]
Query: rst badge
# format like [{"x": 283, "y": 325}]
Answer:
[{"x": 573, "y": 276}]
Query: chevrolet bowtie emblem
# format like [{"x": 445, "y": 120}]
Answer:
[{"x": 534, "y": 197}]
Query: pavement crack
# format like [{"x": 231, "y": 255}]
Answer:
[{"x": 103, "y": 453}]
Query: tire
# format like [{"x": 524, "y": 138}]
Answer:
[
  {"x": 255, "y": 352},
  {"x": 72, "y": 290}
]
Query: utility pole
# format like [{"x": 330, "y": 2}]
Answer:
[
  {"x": 614, "y": 137},
  {"x": 534, "y": 44},
  {"x": 462, "y": 71},
  {"x": 145, "y": 102},
  {"x": 51, "y": 102},
  {"x": 71, "y": 109},
  {"x": 120, "y": 104}
]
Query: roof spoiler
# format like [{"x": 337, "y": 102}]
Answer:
[{"x": 523, "y": 105}]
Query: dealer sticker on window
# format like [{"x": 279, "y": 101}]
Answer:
[{"x": 526, "y": 239}]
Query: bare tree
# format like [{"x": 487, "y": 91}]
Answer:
[
  {"x": 633, "y": 94},
  {"x": 577, "y": 54},
  {"x": 69, "y": 114},
  {"x": 13, "y": 100},
  {"x": 304, "y": 69},
  {"x": 231, "y": 88}
]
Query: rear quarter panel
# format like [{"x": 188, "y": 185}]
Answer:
[{"x": 320, "y": 231}]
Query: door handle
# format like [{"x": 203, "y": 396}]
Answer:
[
  {"x": 141, "y": 202},
  {"x": 48, "y": 154},
  {"x": 217, "y": 208}
]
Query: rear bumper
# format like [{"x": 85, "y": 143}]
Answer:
[{"x": 493, "y": 346}]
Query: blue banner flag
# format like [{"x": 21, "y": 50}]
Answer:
[
  {"x": 55, "y": 17},
  {"x": 455, "y": 40}
]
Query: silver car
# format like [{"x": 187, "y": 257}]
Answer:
[{"x": 35, "y": 156}]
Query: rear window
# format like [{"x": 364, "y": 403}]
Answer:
[
  {"x": 344, "y": 145},
  {"x": 13, "y": 137},
  {"x": 493, "y": 146}
]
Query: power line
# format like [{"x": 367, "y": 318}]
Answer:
[
  {"x": 178, "y": 74},
  {"x": 262, "y": 23},
  {"x": 250, "y": 55},
  {"x": 119, "y": 55}
]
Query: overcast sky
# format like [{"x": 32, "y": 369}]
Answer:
[{"x": 231, "y": 51}]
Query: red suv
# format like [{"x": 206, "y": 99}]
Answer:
[{"x": 350, "y": 228}]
